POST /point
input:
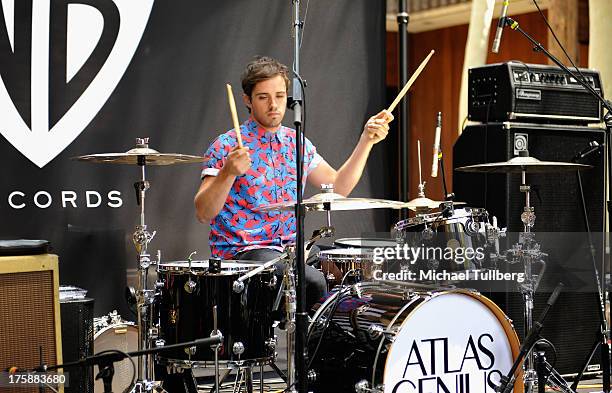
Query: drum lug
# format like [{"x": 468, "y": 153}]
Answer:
[
  {"x": 159, "y": 284},
  {"x": 153, "y": 333},
  {"x": 238, "y": 286},
  {"x": 427, "y": 234},
  {"x": 160, "y": 342},
  {"x": 172, "y": 316},
  {"x": 356, "y": 290},
  {"x": 271, "y": 344},
  {"x": 238, "y": 348},
  {"x": 272, "y": 282},
  {"x": 375, "y": 331},
  {"x": 190, "y": 285},
  {"x": 191, "y": 350},
  {"x": 363, "y": 386}
]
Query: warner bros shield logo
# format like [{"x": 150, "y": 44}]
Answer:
[{"x": 60, "y": 60}]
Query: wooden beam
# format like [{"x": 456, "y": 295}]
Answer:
[
  {"x": 563, "y": 18},
  {"x": 457, "y": 14}
]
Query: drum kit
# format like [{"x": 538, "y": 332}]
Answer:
[{"x": 369, "y": 334}]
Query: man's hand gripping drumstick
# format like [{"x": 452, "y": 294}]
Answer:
[
  {"x": 377, "y": 127},
  {"x": 238, "y": 160}
]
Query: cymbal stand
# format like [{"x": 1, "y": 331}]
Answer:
[
  {"x": 527, "y": 251},
  {"x": 144, "y": 297}
]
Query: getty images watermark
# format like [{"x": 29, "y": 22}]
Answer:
[{"x": 426, "y": 263}]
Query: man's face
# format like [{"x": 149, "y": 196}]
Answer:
[{"x": 268, "y": 102}]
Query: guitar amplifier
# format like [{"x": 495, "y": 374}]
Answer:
[
  {"x": 534, "y": 92},
  {"x": 30, "y": 328}
]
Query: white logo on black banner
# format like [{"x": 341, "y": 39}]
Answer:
[{"x": 60, "y": 61}]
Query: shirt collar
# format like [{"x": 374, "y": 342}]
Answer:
[{"x": 261, "y": 132}]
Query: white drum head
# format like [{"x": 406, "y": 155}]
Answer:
[{"x": 452, "y": 342}]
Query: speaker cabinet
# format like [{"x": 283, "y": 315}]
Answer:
[
  {"x": 573, "y": 322},
  {"x": 29, "y": 314},
  {"x": 77, "y": 342}
]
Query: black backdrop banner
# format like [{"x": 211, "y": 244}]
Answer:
[{"x": 89, "y": 76}]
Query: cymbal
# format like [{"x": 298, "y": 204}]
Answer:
[
  {"x": 329, "y": 201},
  {"x": 426, "y": 203},
  {"x": 523, "y": 164},
  {"x": 141, "y": 155}
]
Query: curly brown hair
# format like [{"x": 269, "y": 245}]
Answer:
[{"x": 260, "y": 69}]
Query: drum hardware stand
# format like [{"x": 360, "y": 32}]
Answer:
[
  {"x": 144, "y": 297},
  {"x": 531, "y": 338},
  {"x": 527, "y": 251},
  {"x": 288, "y": 256},
  {"x": 538, "y": 47}
]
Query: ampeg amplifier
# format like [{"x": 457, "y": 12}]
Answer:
[{"x": 540, "y": 93}]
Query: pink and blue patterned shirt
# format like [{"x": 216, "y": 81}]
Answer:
[{"x": 272, "y": 178}]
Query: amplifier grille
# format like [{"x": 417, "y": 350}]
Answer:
[
  {"x": 567, "y": 103},
  {"x": 27, "y": 318}
]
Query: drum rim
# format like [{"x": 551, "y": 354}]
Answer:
[
  {"x": 438, "y": 218},
  {"x": 338, "y": 242},
  {"x": 124, "y": 324},
  {"x": 198, "y": 269},
  {"x": 112, "y": 325},
  {"x": 341, "y": 255},
  {"x": 501, "y": 317}
]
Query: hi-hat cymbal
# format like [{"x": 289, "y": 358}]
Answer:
[
  {"x": 426, "y": 203},
  {"x": 329, "y": 201},
  {"x": 523, "y": 164},
  {"x": 141, "y": 156}
]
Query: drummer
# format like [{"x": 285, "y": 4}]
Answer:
[{"x": 237, "y": 180}]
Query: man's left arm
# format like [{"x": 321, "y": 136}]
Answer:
[{"x": 346, "y": 178}]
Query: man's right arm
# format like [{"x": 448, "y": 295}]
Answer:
[{"x": 213, "y": 191}]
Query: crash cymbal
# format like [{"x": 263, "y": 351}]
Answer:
[
  {"x": 329, "y": 201},
  {"x": 140, "y": 156},
  {"x": 523, "y": 164},
  {"x": 426, "y": 203}
]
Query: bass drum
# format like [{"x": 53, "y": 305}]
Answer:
[
  {"x": 399, "y": 340},
  {"x": 112, "y": 332}
]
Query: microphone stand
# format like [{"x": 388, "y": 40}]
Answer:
[
  {"x": 105, "y": 359},
  {"x": 604, "y": 333},
  {"x": 601, "y": 306},
  {"x": 301, "y": 315}
]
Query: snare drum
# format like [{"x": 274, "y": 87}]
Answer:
[
  {"x": 352, "y": 255},
  {"x": 113, "y": 332},
  {"x": 465, "y": 229},
  {"x": 399, "y": 340},
  {"x": 186, "y": 303}
]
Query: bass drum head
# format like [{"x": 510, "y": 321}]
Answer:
[
  {"x": 450, "y": 342},
  {"x": 402, "y": 339},
  {"x": 122, "y": 337}
]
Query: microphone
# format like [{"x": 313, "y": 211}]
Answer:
[
  {"x": 587, "y": 151},
  {"x": 500, "y": 27},
  {"x": 436, "y": 147}
]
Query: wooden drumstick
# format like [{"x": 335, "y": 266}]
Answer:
[
  {"x": 232, "y": 105},
  {"x": 410, "y": 82}
]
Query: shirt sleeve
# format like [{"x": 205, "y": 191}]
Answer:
[
  {"x": 311, "y": 157},
  {"x": 215, "y": 157}
]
